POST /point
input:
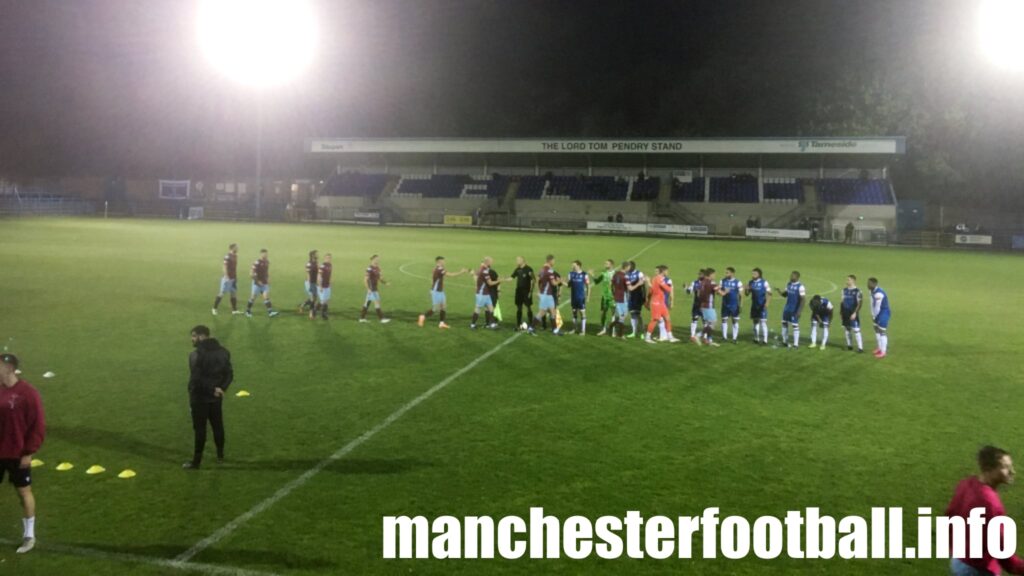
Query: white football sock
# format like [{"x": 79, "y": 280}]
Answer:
[
  {"x": 693, "y": 329},
  {"x": 735, "y": 329},
  {"x": 662, "y": 332},
  {"x": 814, "y": 333},
  {"x": 860, "y": 339},
  {"x": 883, "y": 342},
  {"x": 725, "y": 328},
  {"x": 30, "y": 526},
  {"x": 757, "y": 331},
  {"x": 796, "y": 335},
  {"x": 632, "y": 322},
  {"x": 764, "y": 331},
  {"x": 848, "y": 341},
  {"x": 785, "y": 333},
  {"x": 824, "y": 335},
  {"x": 583, "y": 324}
]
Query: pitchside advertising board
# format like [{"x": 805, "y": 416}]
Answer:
[
  {"x": 778, "y": 233},
  {"x": 974, "y": 239},
  {"x": 647, "y": 228},
  {"x": 453, "y": 220},
  {"x": 611, "y": 146}
]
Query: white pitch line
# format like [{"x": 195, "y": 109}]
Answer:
[
  {"x": 123, "y": 557},
  {"x": 834, "y": 287},
  {"x": 232, "y": 526}
]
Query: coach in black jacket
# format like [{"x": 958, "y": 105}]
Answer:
[{"x": 210, "y": 375}]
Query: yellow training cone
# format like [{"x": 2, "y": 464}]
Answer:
[
  {"x": 36, "y": 463},
  {"x": 126, "y": 474},
  {"x": 242, "y": 394},
  {"x": 65, "y": 466},
  {"x": 96, "y": 469}
]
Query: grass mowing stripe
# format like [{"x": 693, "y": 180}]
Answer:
[
  {"x": 123, "y": 557},
  {"x": 308, "y": 475}
]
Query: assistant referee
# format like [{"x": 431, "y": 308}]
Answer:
[{"x": 210, "y": 374}]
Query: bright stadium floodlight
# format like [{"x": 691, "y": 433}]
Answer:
[
  {"x": 259, "y": 43},
  {"x": 999, "y": 25}
]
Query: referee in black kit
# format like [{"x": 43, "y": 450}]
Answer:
[
  {"x": 524, "y": 278},
  {"x": 210, "y": 374}
]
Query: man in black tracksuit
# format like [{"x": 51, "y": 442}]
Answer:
[
  {"x": 525, "y": 280},
  {"x": 210, "y": 375}
]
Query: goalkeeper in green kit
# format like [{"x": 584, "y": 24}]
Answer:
[{"x": 607, "y": 299}]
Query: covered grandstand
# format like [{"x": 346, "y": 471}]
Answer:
[{"x": 778, "y": 187}]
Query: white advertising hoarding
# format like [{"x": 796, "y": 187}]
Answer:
[{"x": 778, "y": 233}]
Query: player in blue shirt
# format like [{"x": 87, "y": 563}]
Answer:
[
  {"x": 821, "y": 313},
  {"x": 731, "y": 304},
  {"x": 849, "y": 311},
  {"x": 696, "y": 314},
  {"x": 881, "y": 313},
  {"x": 795, "y": 294},
  {"x": 637, "y": 286},
  {"x": 579, "y": 288},
  {"x": 760, "y": 293}
]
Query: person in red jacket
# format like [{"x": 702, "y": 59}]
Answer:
[
  {"x": 22, "y": 429},
  {"x": 980, "y": 492}
]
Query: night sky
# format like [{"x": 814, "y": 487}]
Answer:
[{"x": 117, "y": 87}]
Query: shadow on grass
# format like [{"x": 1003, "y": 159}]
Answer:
[
  {"x": 118, "y": 442},
  {"x": 233, "y": 557}
]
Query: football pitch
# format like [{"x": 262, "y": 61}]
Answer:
[{"x": 341, "y": 429}]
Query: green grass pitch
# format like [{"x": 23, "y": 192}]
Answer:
[{"x": 583, "y": 426}]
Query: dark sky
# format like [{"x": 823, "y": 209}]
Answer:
[{"x": 116, "y": 87}]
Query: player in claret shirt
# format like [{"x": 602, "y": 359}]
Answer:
[
  {"x": 229, "y": 280},
  {"x": 310, "y": 286},
  {"x": 323, "y": 288},
  {"x": 579, "y": 290},
  {"x": 760, "y": 293},
  {"x": 731, "y": 303},
  {"x": 708, "y": 290},
  {"x": 620, "y": 293},
  {"x": 547, "y": 284},
  {"x": 484, "y": 300},
  {"x": 438, "y": 298},
  {"x": 260, "y": 274},
  {"x": 372, "y": 281},
  {"x": 795, "y": 294}
]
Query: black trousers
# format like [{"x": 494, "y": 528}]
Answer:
[{"x": 213, "y": 413}]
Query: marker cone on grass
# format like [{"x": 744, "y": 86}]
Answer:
[
  {"x": 126, "y": 474},
  {"x": 36, "y": 463},
  {"x": 242, "y": 394},
  {"x": 65, "y": 466},
  {"x": 95, "y": 469}
]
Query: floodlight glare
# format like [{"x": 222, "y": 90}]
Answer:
[
  {"x": 999, "y": 25},
  {"x": 260, "y": 43}
]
